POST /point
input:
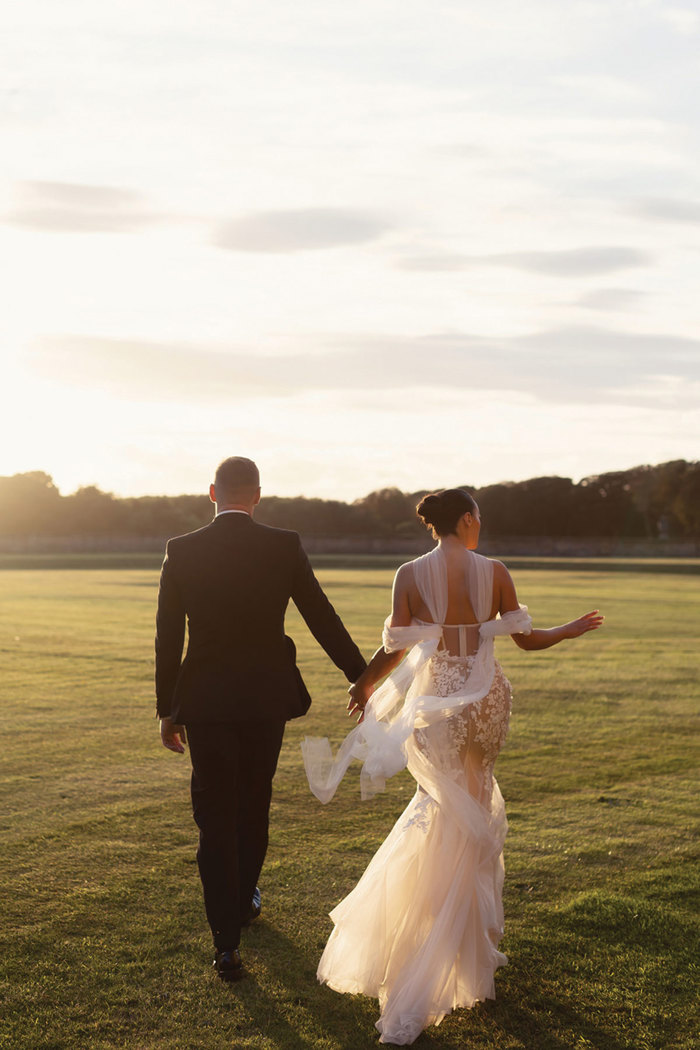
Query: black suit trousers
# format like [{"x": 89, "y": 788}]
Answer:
[{"x": 233, "y": 764}]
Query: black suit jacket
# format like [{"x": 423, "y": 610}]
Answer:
[{"x": 232, "y": 581}]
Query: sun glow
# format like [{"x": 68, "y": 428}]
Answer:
[{"x": 432, "y": 250}]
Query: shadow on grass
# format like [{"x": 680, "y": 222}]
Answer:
[
  {"x": 286, "y": 1003},
  {"x": 533, "y": 1014}
]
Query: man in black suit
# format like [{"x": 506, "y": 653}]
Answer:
[{"x": 238, "y": 684}]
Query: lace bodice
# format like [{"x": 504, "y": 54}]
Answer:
[
  {"x": 466, "y": 744},
  {"x": 450, "y": 672}
]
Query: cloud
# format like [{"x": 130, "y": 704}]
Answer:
[
  {"x": 438, "y": 262},
  {"x": 600, "y": 89},
  {"x": 141, "y": 370},
  {"x": 668, "y": 209},
  {"x": 683, "y": 19},
  {"x": 466, "y": 150},
  {"x": 568, "y": 365},
  {"x": 574, "y": 262},
  {"x": 299, "y": 230},
  {"x": 75, "y": 208},
  {"x": 611, "y": 299},
  {"x": 571, "y": 262}
]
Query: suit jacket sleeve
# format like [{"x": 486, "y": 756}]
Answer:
[
  {"x": 170, "y": 636},
  {"x": 323, "y": 621}
]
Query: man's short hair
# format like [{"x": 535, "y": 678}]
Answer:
[{"x": 236, "y": 476}]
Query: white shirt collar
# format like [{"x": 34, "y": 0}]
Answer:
[{"x": 220, "y": 512}]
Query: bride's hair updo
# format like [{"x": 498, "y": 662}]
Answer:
[{"x": 440, "y": 511}]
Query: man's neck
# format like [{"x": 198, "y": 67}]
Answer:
[{"x": 242, "y": 508}]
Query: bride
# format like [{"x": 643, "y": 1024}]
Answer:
[{"x": 420, "y": 931}]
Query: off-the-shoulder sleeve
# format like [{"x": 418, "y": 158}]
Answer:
[
  {"x": 517, "y": 622},
  {"x": 395, "y": 638}
]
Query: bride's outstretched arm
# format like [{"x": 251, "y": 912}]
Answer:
[{"x": 540, "y": 638}]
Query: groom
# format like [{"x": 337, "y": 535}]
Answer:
[{"x": 237, "y": 686}]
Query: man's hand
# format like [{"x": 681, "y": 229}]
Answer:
[{"x": 173, "y": 736}]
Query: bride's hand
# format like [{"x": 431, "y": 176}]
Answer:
[
  {"x": 590, "y": 622},
  {"x": 359, "y": 695}
]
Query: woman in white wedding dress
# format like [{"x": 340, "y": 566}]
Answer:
[{"x": 420, "y": 931}]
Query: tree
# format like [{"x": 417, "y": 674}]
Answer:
[
  {"x": 29, "y": 504},
  {"x": 644, "y": 501},
  {"x": 387, "y": 511}
]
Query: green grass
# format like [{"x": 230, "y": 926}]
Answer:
[
  {"x": 151, "y": 559},
  {"x": 104, "y": 942}
]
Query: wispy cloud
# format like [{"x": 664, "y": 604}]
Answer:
[
  {"x": 72, "y": 207},
  {"x": 570, "y": 262},
  {"x": 600, "y": 87},
  {"x": 574, "y": 262},
  {"x": 683, "y": 19},
  {"x": 611, "y": 299},
  {"x": 577, "y": 365},
  {"x": 299, "y": 230},
  {"x": 142, "y": 370},
  {"x": 438, "y": 262},
  {"x": 668, "y": 209}
]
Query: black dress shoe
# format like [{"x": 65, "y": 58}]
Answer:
[
  {"x": 255, "y": 909},
  {"x": 228, "y": 965}
]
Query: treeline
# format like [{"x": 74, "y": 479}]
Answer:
[{"x": 647, "y": 502}]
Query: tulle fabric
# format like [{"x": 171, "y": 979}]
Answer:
[
  {"x": 420, "y": 931},
  {"x": 406, "y": 700}
]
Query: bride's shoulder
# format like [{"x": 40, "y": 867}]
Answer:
[
  {"x": 407, "y": 571},
  {"x": 501, "y": 575},
  {"x": 498, "y": 567},
  {"x": 491, "y": 565},
  {"x": 404, "y": 574}
]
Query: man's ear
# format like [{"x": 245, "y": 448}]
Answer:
[
  {"x": 212, "y": 493},
  {"x": 257, "y": 497}
]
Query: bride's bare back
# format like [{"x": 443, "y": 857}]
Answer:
[{"x": 461, "y": 623}]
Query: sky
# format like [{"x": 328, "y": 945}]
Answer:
[{"x": 410, "y": 243}]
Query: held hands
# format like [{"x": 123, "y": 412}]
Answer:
[
  {"x": 173, "y": 736},
  {"x": 359, "y": 695},
  {"x": 589, "y": 622}
]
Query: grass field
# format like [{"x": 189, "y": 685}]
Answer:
[{"x": 104, "y": 941}]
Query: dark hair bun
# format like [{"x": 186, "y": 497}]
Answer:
[
  {"x": 441, "y": 511},
  {"x": 428, "y": 508}
]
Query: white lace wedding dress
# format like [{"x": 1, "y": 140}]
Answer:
[{"x": 420, "y": 931}]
